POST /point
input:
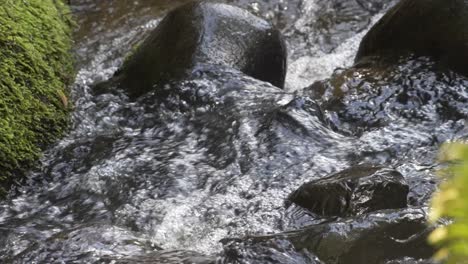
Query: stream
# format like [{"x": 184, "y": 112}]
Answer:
[{"x": 145, "y": 181}]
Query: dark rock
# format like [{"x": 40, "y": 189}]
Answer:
[
  {"x": 435, "y": 28},
  {"x": 205, "y": 33},
  {"x": 354, "y": 191},
  {"x": 372, "y": 238}
]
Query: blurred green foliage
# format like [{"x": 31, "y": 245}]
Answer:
[{"x": 451, "y": 203}]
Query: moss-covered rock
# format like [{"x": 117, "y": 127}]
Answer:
[{"x": 35, "y": 69}]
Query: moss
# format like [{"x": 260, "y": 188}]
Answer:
[{"x": 35, "y": 70}]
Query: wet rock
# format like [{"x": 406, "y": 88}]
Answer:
[
  {"x": 435, "y": 28},
  {"x": 371, "y": 238},
  {"x": 353, "y": 191},
  {"x": 202, "y": 33}
]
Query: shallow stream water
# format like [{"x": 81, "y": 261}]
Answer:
[{"x": 165, "y": 180}]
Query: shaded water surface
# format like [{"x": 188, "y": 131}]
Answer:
[{"x": 165, "y": 178}]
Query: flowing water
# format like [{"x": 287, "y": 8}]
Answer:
[{"x": 167, "y": 177}]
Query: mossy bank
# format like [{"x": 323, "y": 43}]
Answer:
[{"x": 35, "y": 71}]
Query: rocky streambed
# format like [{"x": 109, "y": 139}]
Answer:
[{"x": 230, "y": 136}]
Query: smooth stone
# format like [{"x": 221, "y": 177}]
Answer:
[{"x": 201, "y": 33}]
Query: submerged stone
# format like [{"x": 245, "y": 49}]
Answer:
[
  {"x": 435, "y": 28},
  {"x": 274, "y": 251},
  {"x": 353, "y": 191},
  {"x": 201, "y": 33},
  {"x": 371, "y": 238},
  {"x": 411, "y": 92}
]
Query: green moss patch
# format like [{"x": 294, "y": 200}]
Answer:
[{"x": 35, "y": 70}]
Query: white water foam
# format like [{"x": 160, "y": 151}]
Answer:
[{"x": 305, "y": 70}]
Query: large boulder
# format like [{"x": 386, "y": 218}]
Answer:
[
  {"x": 201, "y": 33},
  {"x": 353, "y": 191},
  {"x": 435, "y": 28}
]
